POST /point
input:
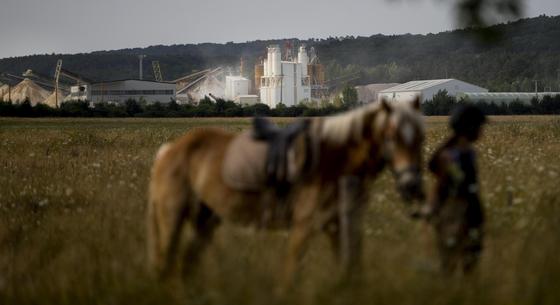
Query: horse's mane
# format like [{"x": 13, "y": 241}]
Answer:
[{"x": 349, "y": 126}]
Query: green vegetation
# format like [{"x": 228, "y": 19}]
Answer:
[
  {"x": 72, "y": 211},
  {"x": 442, "y": 104},
  {"x": 206, "y": 108},
  {"x": 528, "y": 51},
  {"x": 349, "y": 97}
]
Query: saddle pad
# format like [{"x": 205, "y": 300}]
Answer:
[
  {"x": 244, "y": 163},
  {"x": 244, "y": 166}
]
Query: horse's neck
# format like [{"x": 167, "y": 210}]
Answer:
[{"x": 347, "y": 150}]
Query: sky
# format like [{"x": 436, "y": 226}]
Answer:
[{"x": 75, "y": 26}]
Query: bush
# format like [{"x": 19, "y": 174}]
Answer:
[{"x": 441, "y": 104}]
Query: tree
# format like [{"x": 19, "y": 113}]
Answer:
[
  {"x": 440, "y": 104},
  {"x": 132, "y": 107},
  {"x": 349, "y": 97}
]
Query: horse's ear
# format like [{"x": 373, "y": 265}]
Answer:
[
  {"x": 386, "y": 106},
  {"x": 416, "y": 103}
]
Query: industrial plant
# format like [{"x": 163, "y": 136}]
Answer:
[
  {"x": 282, "y": 76},
  {"x": 288, "y": 79}
]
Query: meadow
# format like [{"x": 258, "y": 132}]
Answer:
[{"x": 72, "y": 231}]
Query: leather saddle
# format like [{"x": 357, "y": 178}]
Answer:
[{"x": 267, "y": 155}]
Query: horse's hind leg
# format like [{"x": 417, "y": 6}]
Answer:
[{"x": 204, "y": 223}]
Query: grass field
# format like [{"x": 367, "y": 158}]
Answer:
[{"x": 72, "y": 209}]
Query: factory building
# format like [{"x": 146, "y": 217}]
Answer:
[
  {"x": 236, "y": 86},
  {"x": 247, "y": 100},
  {"x": 426, "y": 89},
  {"x": 119, "y": 91},
  {"x": 368, "y": 93},
  {"x": 284, "y": 81}
]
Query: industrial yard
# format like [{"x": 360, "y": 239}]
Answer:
[
  {"x": 73, "y": 206},
  {"x": 279, "y": 78}
]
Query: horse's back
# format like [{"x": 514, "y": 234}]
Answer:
[{"x": 189, "y": 154}]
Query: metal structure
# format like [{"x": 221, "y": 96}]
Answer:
[
  {"x": 259, "y": 71},
  {"x": 157, "y": 71},
  {"x": 5, "y": 78},
  {"x": 57, "y": 78},
  {"x": 60, "y": 72},
  {"x": 38, "y": 78},
  {"x": 185, "y": 80},
  {"x": 195, "y": 78}
]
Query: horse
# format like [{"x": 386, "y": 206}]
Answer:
[{"x": 186, "y": 184}]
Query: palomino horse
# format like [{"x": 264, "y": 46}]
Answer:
[{"x": 187, "y": 183}]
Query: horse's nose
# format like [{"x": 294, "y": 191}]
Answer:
[{"x": 410, "y": 186}]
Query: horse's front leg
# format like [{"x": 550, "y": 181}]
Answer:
[
  {"x": 303, "y": 227},
  {"x": 351, "y": 203}
]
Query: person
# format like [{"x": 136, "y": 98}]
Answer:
[{"x": 453, "y": 205}]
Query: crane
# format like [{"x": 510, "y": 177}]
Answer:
[
  {"x": 157, "y": 71},
  {"x": 59, "y": 71}
]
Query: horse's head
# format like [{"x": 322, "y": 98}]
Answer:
[{"x": 401, "y": 130}]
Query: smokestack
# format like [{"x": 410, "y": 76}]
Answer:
[{"x": 141, "y": 59}]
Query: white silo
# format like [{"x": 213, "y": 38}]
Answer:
[
  {"x": 270, "y": 60},
  {"x": 276, "y": 65},
  {"x": 265, "y": 67},
  {"x": 303, "y": 59}
]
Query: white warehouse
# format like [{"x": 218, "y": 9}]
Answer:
[
  {"x": 285, "y": 82},
  {"x": 426, "y": 89},
  {"x": 236, "y": 86},
  {"x": 119, "y": 91}
]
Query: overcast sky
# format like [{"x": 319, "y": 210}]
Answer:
[{"x": 73, "y": 26}]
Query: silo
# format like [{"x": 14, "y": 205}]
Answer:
[
  {"x": 303, "y": 59},
  {"x": 265, "y": 68},
  {"x": 269, "y": 61},
  {"x": 276, "y": 64}
]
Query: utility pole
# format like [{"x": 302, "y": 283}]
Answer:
[
  {"x": 536, "y": 88},
  {"x": 57, "y": 77},
  {"x": 141, "y": 59}
]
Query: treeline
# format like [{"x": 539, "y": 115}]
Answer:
[
  {"x": 131, "y": 108},
  {"x": 442, "y": 104}
]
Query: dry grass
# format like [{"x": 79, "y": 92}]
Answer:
[{"x": 73, "y": 196}]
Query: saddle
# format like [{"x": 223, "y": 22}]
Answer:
[{"x": 267, "y": 155}]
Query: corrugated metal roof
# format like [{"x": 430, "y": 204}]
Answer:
[
  {"x": 128, "y": 79},
  {"x": 418, "y": 85}
]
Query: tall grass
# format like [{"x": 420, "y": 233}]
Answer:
[{"x": 72, "y": 205}]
